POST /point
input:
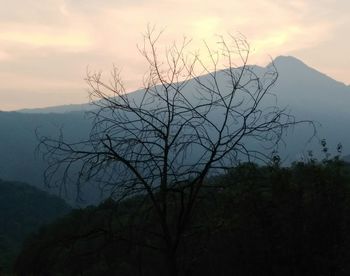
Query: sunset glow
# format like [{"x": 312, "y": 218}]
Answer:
[{"x": 47, "y": 44}]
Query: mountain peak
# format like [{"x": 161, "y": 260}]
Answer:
[
  {"x": 292, "y": 66},
  {"x": 289, "y": 61}
]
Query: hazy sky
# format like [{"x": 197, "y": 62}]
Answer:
[{"x": 46, "y": 45}]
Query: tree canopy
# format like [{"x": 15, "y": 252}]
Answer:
[{"x": 264, "y": 220}]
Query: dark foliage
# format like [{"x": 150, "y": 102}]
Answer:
[
  {"x": 263, "y": 221},
  {"x": 23, "y": 210}
]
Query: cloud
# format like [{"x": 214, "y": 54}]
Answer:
[
  {"x": 4, "y": 56},
  {"x": 44, "y": 37},
  {"x": 57, "y": 39}
]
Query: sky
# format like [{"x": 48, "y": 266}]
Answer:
[{"x": 47, "y": 46}]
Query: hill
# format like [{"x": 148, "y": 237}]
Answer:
[
  {"x": 263, "y": 221},
  {"x": 23, "y": 210},
  {"x": 18, "y": 142}
]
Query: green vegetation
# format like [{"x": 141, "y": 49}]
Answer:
[
  {"x": 23, "y": 210},
  {"x": 263, "y": 221}
]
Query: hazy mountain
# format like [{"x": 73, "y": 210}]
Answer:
[
  {"x": 311, "y": 95},
  {"x": 307, "y": 93},
  {"x": 58, "y": 109},
  {"x": 305, "y": 88},
  {"x": 347, "y": 158},
  {"x": 18, "y": 142}
]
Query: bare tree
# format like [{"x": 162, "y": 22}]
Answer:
[{"x": 192, "y": 119}]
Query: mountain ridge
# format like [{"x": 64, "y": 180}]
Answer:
[
  {"x": 281, "y": 62},
  {"x": 307, "y": 93}
]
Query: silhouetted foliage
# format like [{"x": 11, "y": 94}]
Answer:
[
  {"x": 23, "y": 210},
  {"x": 253, "y": 221}
]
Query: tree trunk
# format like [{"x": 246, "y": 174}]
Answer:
[{"x": 171, "y": 264}]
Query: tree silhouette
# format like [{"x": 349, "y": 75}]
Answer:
[{"x": 166, "y": 139}]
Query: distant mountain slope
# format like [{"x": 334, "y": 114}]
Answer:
[
  {"x": 298, "y": 84},
  {"x": 23, "y": 210},
  {"x": 347, "y": 158},
  {"x": 305, "y": 87},
  {"x": 307, "y": 93},
  {"x": 18, "y": 142},
  {"x": 58, "y": 109},
  {"x": 312, "y": 95}
]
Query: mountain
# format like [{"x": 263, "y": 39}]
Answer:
[
  {"x": 311, "y": 95},
  {"x": 346, "y": 158},
  {"x": 20, "y": 160},
  {"x": 303, "y": 87},
  {"x": 305, "y": 92},
  {"x": 58, "y": 109}
]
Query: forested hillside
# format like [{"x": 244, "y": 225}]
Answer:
[
  {"x": 23, "y": 209},
  {"x": 263, "y": 221}
]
